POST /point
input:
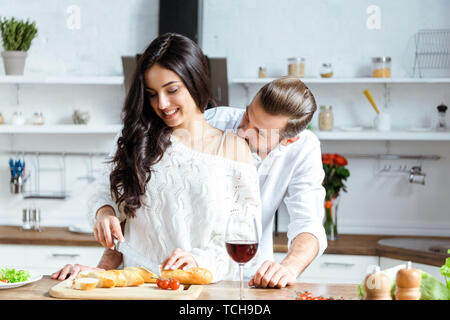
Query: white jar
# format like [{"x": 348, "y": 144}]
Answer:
[{"x": 17, "y": 119}]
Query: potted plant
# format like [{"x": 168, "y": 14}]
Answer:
[
  {"x": 17, "y": 36},
  {"x": 335, "y": 175}
]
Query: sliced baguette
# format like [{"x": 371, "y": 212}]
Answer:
[
  {"x": 147, "y": 275},
  {"x": 190, "y": 276},
  {"x": 133, "y": 278},
  {"x": 85, "y": 283},
  {"x": 119, "y": 277},
  {"x": 106, "y": 280}
]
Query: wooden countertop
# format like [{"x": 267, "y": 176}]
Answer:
[
  {"x": 346, "y": 244},
  {"x": 58, "y": 236},
  {"x": 355, "y": 244},
  {"x": 223, "y": 290}
]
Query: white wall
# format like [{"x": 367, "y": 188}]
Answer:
[{"x": 249, "y": 33}]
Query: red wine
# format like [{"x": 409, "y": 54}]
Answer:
[{"x": 241, "y": 251}]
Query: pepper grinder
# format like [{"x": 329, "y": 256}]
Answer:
[
  {"x": 442, "y": 125},
  {"x": 408, "y": 282},
  {"x": 36, "y": 219},
  {"x": 377, "y": 285}
]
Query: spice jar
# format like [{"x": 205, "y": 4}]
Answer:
[
  {"x": 326, "y": 70},
  {"x": 442, "y": 109},
  {"x": 2, "y": 120},
  {"x": 262, "y": 72},
  {"x": 381, "y": 67},
  {"x": 296, "y": 67},
  {"x": 326, "y": 118},
  {"x": 38, "y": 118}
]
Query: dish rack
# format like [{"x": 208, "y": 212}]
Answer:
[{"x": 432, "y": 50}]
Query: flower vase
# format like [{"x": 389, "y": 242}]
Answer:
[{"x": 330, "y": 222}]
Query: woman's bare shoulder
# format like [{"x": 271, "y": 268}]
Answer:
[{"x": 236, "y": 148}]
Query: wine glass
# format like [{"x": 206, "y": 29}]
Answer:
[{"x": 241, "y": 240}]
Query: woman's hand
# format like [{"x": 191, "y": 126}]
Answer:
[
  {"x": 107, "y": 226},
  {"x": 71, "y": 271},
  {"x": 179, "y": 259}
]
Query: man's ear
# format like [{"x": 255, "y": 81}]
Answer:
[{"x": 287, "y": 141}]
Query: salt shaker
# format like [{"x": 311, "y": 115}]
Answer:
[
  {"x": 36, "y": 218},
  {"x": 26, "y": 219},
  {"x": 377, "y": 285}
]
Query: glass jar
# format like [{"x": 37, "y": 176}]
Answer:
[
  {"x": 38, "y": 118},
  {"x": 381, "y": 67},
  {"x": 326, "y": 118},
  {"x": 296, "y": 67},
  {"x": 2, "y": 120},
  {"x": 262, "y": 72},
  {"x": 326, "y": 70},
  {"x": 442, "y": 124}
]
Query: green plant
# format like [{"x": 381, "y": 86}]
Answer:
[{"x": 17, "y": 34}]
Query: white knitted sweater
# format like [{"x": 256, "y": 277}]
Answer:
[{"x": 188, "y": 200}]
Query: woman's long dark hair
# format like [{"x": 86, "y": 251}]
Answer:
[{"x": 145, "y": 137}]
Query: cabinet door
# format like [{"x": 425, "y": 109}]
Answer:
[
  {"x": 336, "y": 268},
  {"x": 386, "y": 263},
  {"x": 48, "y": 259},
  {"x": 12, "y": 255}
]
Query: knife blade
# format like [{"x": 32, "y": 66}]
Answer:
[{"x": 140, "y": 260}]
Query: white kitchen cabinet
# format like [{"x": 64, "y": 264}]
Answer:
[
  {"x": 12, "y": 255},
  {"x": 48, "y": 259},
  {"x": 336, "y": 268},
  {"x": 386, "y": 263}
]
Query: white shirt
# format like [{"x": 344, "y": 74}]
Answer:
[
  {"x": 186, "y": 205},
  {"x": 290, "y": 180}
]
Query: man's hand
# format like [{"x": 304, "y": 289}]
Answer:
[
  {"x": 179, "y": 259},
  {"x": 273, "y": 275},
  {"x": 71, "y": 271}
]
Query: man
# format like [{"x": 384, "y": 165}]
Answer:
[{"x": 288, "y": 160}]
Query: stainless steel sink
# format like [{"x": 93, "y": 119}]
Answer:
[{"x": 417, "y": 244}]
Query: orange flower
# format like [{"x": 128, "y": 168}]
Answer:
[
  {"x": 340, "y": 160},
  {"x": 328, "y": 204}
]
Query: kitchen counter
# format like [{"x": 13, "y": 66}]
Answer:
[
  {"x": 368, "y": 245},
  {"x": 346, "y": 244},
  {"x": 223, "y": 290},
  {"x": 59, "y": 236}
]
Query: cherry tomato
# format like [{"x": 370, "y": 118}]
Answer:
[
  {"x": 5, "y": 281},
  {"x": 174, "y": 284},
  {"x": 163, "y": 283}
]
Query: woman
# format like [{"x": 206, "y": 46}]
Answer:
[{"x": 174, "y": 178}]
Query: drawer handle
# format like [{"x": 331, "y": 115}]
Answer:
[
  {"x": 66, "y": 255},
  {"x": 339, "y": 264}
]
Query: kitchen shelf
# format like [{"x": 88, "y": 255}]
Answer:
[
  {"x": 246, "y": 81},
  {"x": 81, "y": 80},
  {"x": 60, "y": 129},
  {"x": 367, "y": 135}
]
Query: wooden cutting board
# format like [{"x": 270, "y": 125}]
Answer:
[{"x": 147, "y": 291}]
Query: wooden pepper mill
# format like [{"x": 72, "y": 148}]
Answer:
[
  {"x": 377, "y": 285},
  {"x": 408, "y": 282}
]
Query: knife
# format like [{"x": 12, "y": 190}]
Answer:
[{"x": 140, "y": 260}]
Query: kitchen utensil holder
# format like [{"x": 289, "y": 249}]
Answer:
[{"x": 17, "y": 185}]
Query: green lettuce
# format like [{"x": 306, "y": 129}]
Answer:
[
  {"x": 445, "y": 270},
  {"x": 13, "y": 275}
]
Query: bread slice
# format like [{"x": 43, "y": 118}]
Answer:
[
  {"x": 133, "y": 278},
  {"x": 106, "y": 280},
  {"x": 85, "y": 283},
  {"x": 83, "y": 274},
  {"x": 147, "y": 275}
]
